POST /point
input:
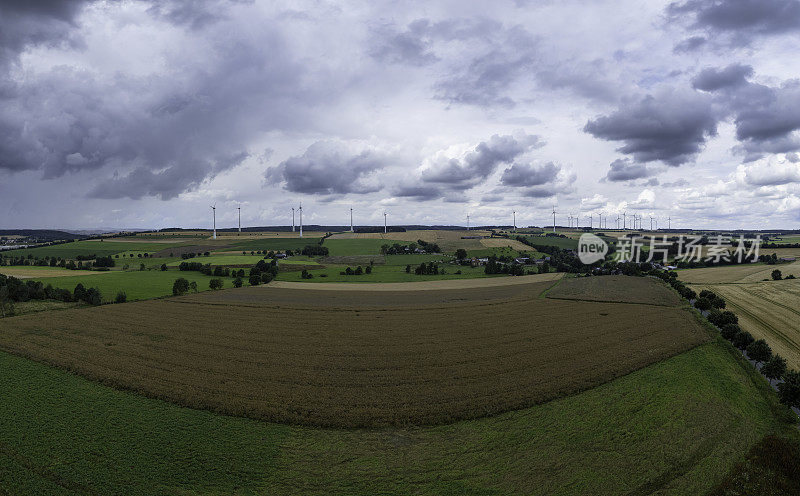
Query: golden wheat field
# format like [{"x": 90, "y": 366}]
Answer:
[
  {"x": 768, "y": 310},
  {"x": 356, "y": 358},
  {"x": 736, "y": 273}
]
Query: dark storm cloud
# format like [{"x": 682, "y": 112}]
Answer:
[
  {"x": 460, "y": 174},
  {"x": 765, "y": 117},
  {"x": 419, "y": 193},
  {"x": 26, "y": 23},
  {"x": 625, "y": 170},
  {"x": 529, "y": 174},
  {"x": 162, "y": 134},
  {"x": 329, "y": 168},
  {"x": 741, "y": 20},
  {"x": 712, "y": 79},
  {"x": 671, "y": 127}
]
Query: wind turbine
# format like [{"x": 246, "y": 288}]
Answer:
[
  {"x": 239, "y": 208},
  {"x": 300, "y": 211},
  {"x": 591, "y": 221},
  {"x": 214, "y": 210},
  {"x": 669, "y": 223},
  {"x": 618, "y": 217},
  {"x": 554, "y": 218},
  {"x": 467, "y": 222},
  {"x": 624, "y": 221},
  {"x": 351, "y": 219},
  {"x": 651, "y": 222},
  {"x": 384, "y": 222},
  {"x": 292, "y": 219},
  {"x": 599, "y": 220}
]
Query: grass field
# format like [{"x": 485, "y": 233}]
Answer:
[
  {"x": 276, "y": 243},
  {"x": 565, "y": 243},
  {"x": 344, "y": 247},
  {"x": 767, "y": 310},
  {"x": 673, "y": 428},
  {"x": 138, "y": 285},
  {"x": 90, "y": 247},
  {"x": 222, "y": 260},
  {"x": 622, "y": 289},
  {"x": 33, "y": 272},
  {"x": 350, "y": 366}
]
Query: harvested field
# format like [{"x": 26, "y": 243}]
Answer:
[
  {"x": 349, "y": 367},
  {"x": 730, "y": 274},
  {"x": 447, "y": 240},
  {"x": 622, "y": 289},
  {"x": 451, "y": 284},
  {"x": 501, "y": 242},
  {"x": 23, "y": 272},
  {"x": 767, "y": 310}
]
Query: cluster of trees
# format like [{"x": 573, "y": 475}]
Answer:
[
  {"x": 355, "y": 272},
  {"x": 708, "y": 300},
  {"x": 399, "y": 249},
  {"x": 262, "y": 272},
  {"x": 187, "y": 256},
  {"x": 777, "y": 275},
  {"x": 429, "y": 247},
  {"x": 208, "y": 270},
  {"x": 13, "y": 290},
  {"x": 497, "y": 266},
  {"x": 315, "y": 251},
  {"x": 131, "y": 255},
  {"x": 32, "y": 261}
]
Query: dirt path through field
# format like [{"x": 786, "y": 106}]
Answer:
[{"x": 418, "y": 286}]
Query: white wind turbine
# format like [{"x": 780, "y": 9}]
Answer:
[
  {"x": 292, "y": 219},
  {"x": 300, "y": 212},
  {"x": 351, "y": 219},
  {"x": 554, "y": 218},
  {"x": 239, "y": 208},
  {"x": 214, "y": 213},
  {"x": 384, "y": 223}
]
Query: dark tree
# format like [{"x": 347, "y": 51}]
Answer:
[
  {"x": 163, "y": 266},
  {"x": 193, "y": 286},
  {"x": 255, "y": 279},
  {"x": 729, "y": 331},
  {"x": 121, "y": 297},
  {"x": 777, "y": 275},
  {"x": 237, "y": 283},
  {"x": 742, "y": 340},
  {"x": 215, "y": 283},
  {"x": 180, "y": 286},
  {"x": 368, "y": 270},
  {"x": 702, "y": 304},
  {"x": 789, "y": 390},
  {"x": 759, "y": 351},
  {"x": 774, "y": 368},
  {"x": 461, "y": 254}
]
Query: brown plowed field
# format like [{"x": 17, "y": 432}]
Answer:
[{"x": 352, "y": 359}]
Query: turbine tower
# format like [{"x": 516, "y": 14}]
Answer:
[
  {"x": 514, "y": 218},
  {"x": 239, "y": 208},
  {"x": 292, "y": 219},
  {"x": 618, "y": 217},
  {"x": 214, "y": 213},
  {"x": 624, "y": 221},
  {"x": 384, "y": 223},
  {"x": 300, "y": 211},
  {"x": 651, "y": 222},
  {"x": 591, "y": 221},
  {"x": 554, "y": 218},
  {"x": 669, "y": 223},
  {"x": 467, "y": 222},
  {"x": 351, "y": 219}
]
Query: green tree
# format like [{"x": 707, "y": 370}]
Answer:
[
  {"x": 180, "y": 286},
  {"x": 759, "y": 351},
  {"x": 6, "y": 305},
  {"x": 193, "y": 286},
  {"x": 742, "y": 340},
  {"x": 461, "y": 254},
  {"x": 163, "y": 267},
  {"x": 702, "y": 304},
  {"x": 121, "y": 297},
  {"x": 237, "y": 283},
  {"x": 255, "y": 279},
  {"x": 215, "y": 283},
  {"x": 774, "y": 368},
  {"x": 777, "y": 275},
  {"x": 728, "y": 331},
  {"x": 789, "y": 389}
]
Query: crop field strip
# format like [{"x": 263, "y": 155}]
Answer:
[
  {"x": 620, "y": 289},
  {"x": 736, "y": 274},
  {"x": 355, "y": 367},
  {"x": 767, "y": 310}
]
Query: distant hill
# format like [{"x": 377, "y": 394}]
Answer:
[{"x": 41, "y": 235}]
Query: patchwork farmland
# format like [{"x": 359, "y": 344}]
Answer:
[{"x": 369, "y": 383}]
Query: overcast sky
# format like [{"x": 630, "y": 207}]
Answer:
[{"x": 140, "y": 114}]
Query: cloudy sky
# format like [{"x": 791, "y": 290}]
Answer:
[{"x": 141, "y": 114}]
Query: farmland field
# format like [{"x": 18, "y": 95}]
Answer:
[
  {"x": 348, "y": 365},
  {"x": 90, "y": 247},
  {"x": 767, "y": 310},
  {"x": 623, "y": 289},
  {"x": 736, "y": 273},
  {"x": 34, "y": 272},
  {"x": 138, "y": 285},
  {"x": 384, "y": 274},
  {"x": 222, "y": 260},
  {"x": 676, "y": 427}
]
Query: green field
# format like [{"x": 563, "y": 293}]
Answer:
[
  {"x": 565, "y": 243},
  {"x": 137, "y": 284},
  {"x": 675, "y": 427},
  {"x": 367, "y": 246},
  {"x": 385, "y": 273},
  {"x": 221, "y": 260},
  {"x": 91, "y": 247},
  {"x": 275, "y": 244}
]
